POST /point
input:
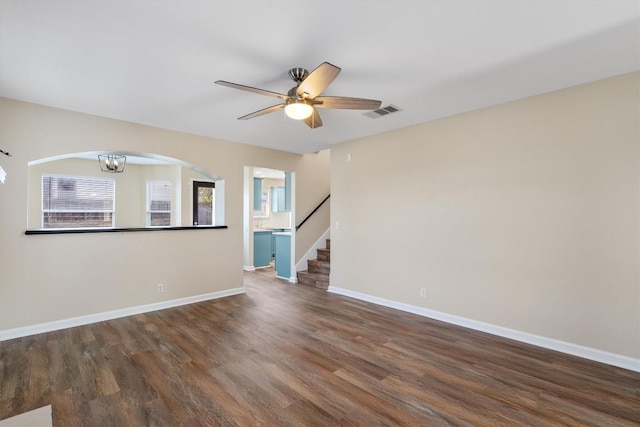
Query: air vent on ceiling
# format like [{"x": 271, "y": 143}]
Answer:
[{"x": 389, "y": 109}]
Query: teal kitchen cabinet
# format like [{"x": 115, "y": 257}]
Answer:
[
  {"x": 283, "y": 254},
  {"x": 262, "y": 252},
  {"x": 273, "y": 238},
  {"x": 277, "y": 199},
  {"x": 257, "y": 194},
  {"x": 281, "y": 196}
]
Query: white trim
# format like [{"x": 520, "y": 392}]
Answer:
[
  {"x": 218, "y": 202},
  {"x": 248, "y": 268},
  {"x": 311, "y": 253},
  {"x": 292, "y": 279},
  {"x": 540, "y": 341},
  {"x": 292, "y": 222},
  {"x": 9, "y": 334}
]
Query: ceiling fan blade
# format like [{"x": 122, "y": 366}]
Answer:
[
  {"x": 318, "y": 80},
  {"x": 251, "y": 89},
  {"x": 314, "y": 120},
  {"x": 346, "y": 103},
  {"x": 262, "y": 112}
]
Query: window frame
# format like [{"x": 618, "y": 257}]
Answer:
[
  {"x": 195, "y": 185},
  {"x": 148, "y": 211},
  {"x": 76, "y": 178}
]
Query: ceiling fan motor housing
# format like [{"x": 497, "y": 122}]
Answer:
[{"x": 298, "y": 74}]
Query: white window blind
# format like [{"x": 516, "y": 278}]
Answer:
[
  {"x": 158, "y": 203},
  {"x": 77, "y": 202}
]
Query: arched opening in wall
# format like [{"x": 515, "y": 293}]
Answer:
[{"x": 128, "y": 190}]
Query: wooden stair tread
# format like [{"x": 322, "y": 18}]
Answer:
[
  {"x": 313, "y": 279},
  {"x": 317, "y": 274}
]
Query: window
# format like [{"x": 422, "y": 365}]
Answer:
[
  {"x": 77, "y": 202},
  {"x": 158, "y": 204},
  {"x": 204, "y": 203}
]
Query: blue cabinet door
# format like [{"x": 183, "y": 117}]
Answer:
[
  {"x": 257, "y": 194},
  {"x": 277, "y": 199},
  {"x": 283, "y": 255},
  {"x": 262, "y": 252}
]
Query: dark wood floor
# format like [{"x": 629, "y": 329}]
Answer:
[{"x": 286, "y": 354}]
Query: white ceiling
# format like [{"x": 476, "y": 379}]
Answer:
[{"x": 155, "y": 62}]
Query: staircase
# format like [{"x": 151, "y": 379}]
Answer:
[{"x": 318, "y": 269}]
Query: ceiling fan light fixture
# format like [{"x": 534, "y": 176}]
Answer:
[{"x": 298, "y": 109}]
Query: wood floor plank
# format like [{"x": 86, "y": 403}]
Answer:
[
  {"x": 305, "y": 389},
  {"x": 283, "y": 354},
  {"x": 262, "y": 413},
  {"x": 132, "y": 383},
  {"x": 395, "y": 397},
  {"x": 70, "y": 410},
  {"x": 12, "y": 364},
  {"x": 174, "y": 392}
]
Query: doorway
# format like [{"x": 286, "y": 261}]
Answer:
[
  {"x": 268, "y": 222},
  {"x": 204, "y": 196}
]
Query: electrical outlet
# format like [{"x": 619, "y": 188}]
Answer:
[
  {"x": 423, "y": 292},
  {"x": 160, "y": 288}
]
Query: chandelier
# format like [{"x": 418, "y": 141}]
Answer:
[{"x": 112, "y": 163}]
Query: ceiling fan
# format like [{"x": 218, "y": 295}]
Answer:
[{"x": 302, "y": 100}]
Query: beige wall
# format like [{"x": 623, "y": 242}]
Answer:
[
  {"x": 52, "y": 277},
  {"x": 523, "y": 215}
]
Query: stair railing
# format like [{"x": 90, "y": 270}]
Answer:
[{"x": 312, "y": 212}]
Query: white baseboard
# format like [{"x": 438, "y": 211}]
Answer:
[
  {"x": 540, "y": 341},
  {"x": 9, "y": 334},
  {"x": 248, "y": 268},
  {"x": 311, "y": 253},
  {"x": 292, "y": 279}
]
